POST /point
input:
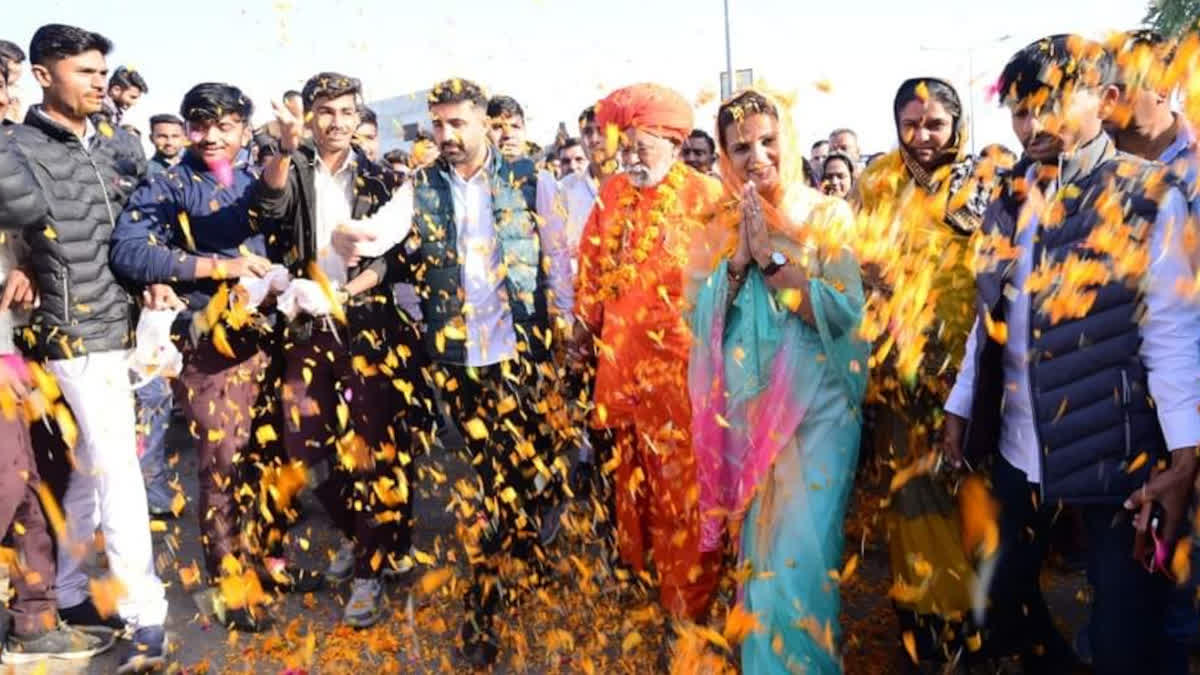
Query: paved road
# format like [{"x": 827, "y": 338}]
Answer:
[{"x": 571, "y": 627}]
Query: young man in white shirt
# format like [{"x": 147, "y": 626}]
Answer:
[
  {"x": 488, "y": 273},
  {"x": 343, "y": 416}
]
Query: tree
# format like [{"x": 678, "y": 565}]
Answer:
[{"x": 1172, "y": 17}]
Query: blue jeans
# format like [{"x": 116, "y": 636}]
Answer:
[{"x": 154, "y": 403}]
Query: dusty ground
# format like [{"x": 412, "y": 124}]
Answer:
[{"x": 572, "y": 627}]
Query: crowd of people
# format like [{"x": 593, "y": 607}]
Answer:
[{"x": 694, "y": 333}]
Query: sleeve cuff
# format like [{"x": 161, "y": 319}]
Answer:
[
  {"x": 1181, "y": 428},
  {"x": 960, "y": 399}
]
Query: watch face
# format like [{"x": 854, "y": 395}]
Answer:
[{"x": 778, "y": 258}]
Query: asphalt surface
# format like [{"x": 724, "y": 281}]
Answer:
[{"x": 420, "y": 635}]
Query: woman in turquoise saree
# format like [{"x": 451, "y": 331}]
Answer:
[{"x": 776, "y": 378}]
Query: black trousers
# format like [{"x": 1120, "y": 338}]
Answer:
[
  {"x": 501, "y": 412},
  {"x": 1128, "y": 607}
]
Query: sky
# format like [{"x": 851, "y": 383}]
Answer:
[{"x": 842, "y": 60}]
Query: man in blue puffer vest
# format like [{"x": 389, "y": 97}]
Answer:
[{"x": 1081, "y": 375}]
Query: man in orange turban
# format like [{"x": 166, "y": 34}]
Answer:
[{"x": 629, "y": 303}]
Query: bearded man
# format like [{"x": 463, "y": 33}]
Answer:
[{"x": 630, "y": 323}]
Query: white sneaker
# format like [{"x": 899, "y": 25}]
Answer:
[
  {"x": 367, "y": 604},
  {"x": 341, "y": 567}
]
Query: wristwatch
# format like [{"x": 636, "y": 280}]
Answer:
[{"x": 778, "y": 260}]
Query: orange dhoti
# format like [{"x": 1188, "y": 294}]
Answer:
[{"x": 658, "y": 509}]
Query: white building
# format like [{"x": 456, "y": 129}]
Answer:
[{"x": 400, "y": 118}]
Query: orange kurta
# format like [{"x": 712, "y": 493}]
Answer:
[
  {"x": 632, "y": 257},
  {"x": 630, "y": 293}
]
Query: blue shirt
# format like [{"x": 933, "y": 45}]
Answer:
[
  {"x": 158, "y": 164},
  {"x": 176, "y": 217},
  {"x": 1181, "y": 157}
]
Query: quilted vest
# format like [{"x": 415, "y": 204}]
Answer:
[
  {"x": 1091, "y": 402},
  {"x": 514, "y": 194}
]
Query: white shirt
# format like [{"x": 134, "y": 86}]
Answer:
[
  {"x": 335, "y": 203},
  {"x": 1168, "y": 347},
  {"x": 490, "y": 334},
  {"x": 89, "y": 133},
  {"x": 573, "y": 204},
  {"x": 558, "y": 243}
]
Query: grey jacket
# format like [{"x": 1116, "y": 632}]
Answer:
[{"x": 21, "y": 205}]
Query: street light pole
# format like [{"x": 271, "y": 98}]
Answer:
[{"x": 728, "y": 52}]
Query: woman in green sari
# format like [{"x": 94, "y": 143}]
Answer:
[{"x": 776, "y": 378}]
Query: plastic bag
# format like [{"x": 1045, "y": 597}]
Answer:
[{"x": 155, "y": 354}]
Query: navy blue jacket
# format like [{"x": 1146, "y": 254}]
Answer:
[
  {"x": 152, "y": 245},
  {"x": 1092, "y": 409}
]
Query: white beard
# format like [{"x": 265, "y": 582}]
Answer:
[{"x": 643, "y": 176}]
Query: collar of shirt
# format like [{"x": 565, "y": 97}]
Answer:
[
  {"x": 349, "y": 164},
  {"x": 584, "y": 180},
  {"x": 1184, "y": 139},
  {"x": 479, "y": 175},
  {"x": 89, "y": 133},
  {"x": 1085, "y": 160}
]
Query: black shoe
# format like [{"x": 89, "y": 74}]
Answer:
[
  {"x": 480, "y": 647},
  {"x": 245, "y": 621},
  {"x": 146, "y": 653},
  {"x": 61, "y": 643},
  {"x": 85, "y": 615}
]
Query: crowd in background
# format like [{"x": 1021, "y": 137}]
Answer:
[{"x": 691, "y": 336}]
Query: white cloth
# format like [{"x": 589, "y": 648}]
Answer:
[
  {"x": 155, "y": 354},
  {"x": 89, "y": 133},
  {"x": 335, "y": 205},
  {"x": 565, "y": 216},
  {"x": 106, "y": 489},
  {"x": 1168, "y": 347},
  {"x": 275, "y": 281},
  {"x": 304, "y": 296},
  {"x": 335, "y": 198},
  {"x": 13, "y": 250},
  {"x": 558, "y": 248},
  {"x": 491, "y": 337},
  {"x": 577, "y": 195}
]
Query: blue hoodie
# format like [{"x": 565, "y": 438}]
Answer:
[{"x": 151, "y": 245}]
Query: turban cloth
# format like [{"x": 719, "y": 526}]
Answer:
[{"x": 649, "y": 107}]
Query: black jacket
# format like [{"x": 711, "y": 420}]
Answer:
[
  {"x": 295, "y": 206},
  {"x": 83, "y": 308},
  {"x": 21, "y": 202}
]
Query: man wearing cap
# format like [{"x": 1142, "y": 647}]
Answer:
[{"x": 630, "y": 324}]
